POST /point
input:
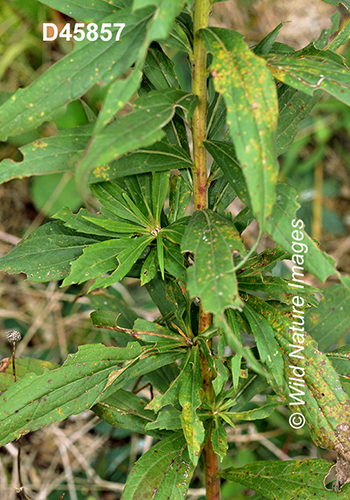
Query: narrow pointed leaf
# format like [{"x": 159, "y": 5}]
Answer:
[
  {"x": 267, "y": 345},
  {"x": 219, "y": 439},
  {"x": 119, "y": 93},
  {"x": 96, "y": 260},
  {"x": 179, "y": 198},
  {"x": 252, "y": 112},
  {"x": 126, "y": 259}
]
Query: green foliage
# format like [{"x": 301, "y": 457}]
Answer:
[{"x": 136, "y": 158}]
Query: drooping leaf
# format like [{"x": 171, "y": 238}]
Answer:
[
  {"x": 48, "y": 155},
  {"x": 46, "y": 254},
  {"x": 138, "y": 129},
  {"x": 88, "y": 64},
  {"x": 171, "y": 395},
  {"x": 149, "y": 267},
  {"x": 286, "y": 480},
  {"x": 252, "y": 112},
  {"x": 294, "y": 106},
  {"x": 277, "y": 288},
  {"x": 81, "y": 224},
  {"x": 164, "y": 471},
  {"x": 212, "y": 239}
]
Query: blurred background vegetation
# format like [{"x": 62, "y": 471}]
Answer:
[{"x": 83, "y": 457}]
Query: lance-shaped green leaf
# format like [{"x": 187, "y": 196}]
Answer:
[
  {"x": 38, "y": 400},
  {"x": 159, "y": 69},
  {"x": 138, "y": 129},
  {"x": 267, "y": 345},
  {"x": 80, "y": 223},
  {"x": 212, "y": 239},
  {"x": 219, "y": 439},
  {"x": 125, "y": 260},
  {"x": 330, "y": 320},
  {"x": 127, "y": 411},
  {"x": 286, "y": 480},
  {"x": 311, "y": 69},
  {"x": 156, "y": 158},
  {"x": 164, "y": 471},
  {"x": 149, "y": 267},
  {"x": 48, "y": 155},
  {"x": 252, "y": 112},
  {"x": 88, "y": 64},
  {"x": 279, "y": 224},
  {"x": 189, "y": 399},
  {"x": 85, "y": 11},
  {"x": 46, "y": 254},
  {"x": 179, "y": 198},
  {"x": 119, "y": 93},
  {"x": 97, "y": 260},
  {"x": 163, "y": 18}
]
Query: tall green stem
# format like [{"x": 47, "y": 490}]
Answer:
[{"x": 199, "y": 87}]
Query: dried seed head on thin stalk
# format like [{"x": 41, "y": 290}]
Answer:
[{"x": 13, "y": 336}]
